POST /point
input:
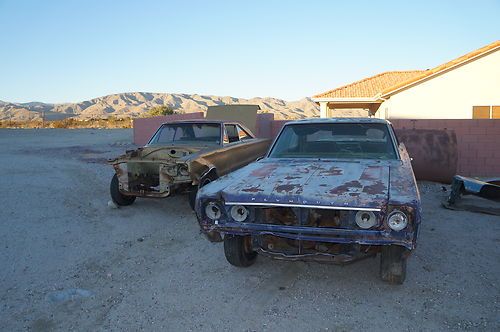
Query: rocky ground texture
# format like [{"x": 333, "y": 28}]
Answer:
[{"x": 70, "y": 262}]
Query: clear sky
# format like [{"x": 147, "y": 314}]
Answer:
[{"x": 69, "y": 51}]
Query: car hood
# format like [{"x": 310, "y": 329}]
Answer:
[{"x": 357, "y": 184}]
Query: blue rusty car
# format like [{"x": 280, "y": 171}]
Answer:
[{"x": 334, "y": 190}]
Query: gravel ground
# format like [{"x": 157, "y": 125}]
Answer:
[{"x": 70, "y": 262}]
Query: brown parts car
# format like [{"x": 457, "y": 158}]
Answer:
[{"x": 181, "y": 157}]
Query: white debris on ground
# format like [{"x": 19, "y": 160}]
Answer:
[{"x": 112, "y": 205}]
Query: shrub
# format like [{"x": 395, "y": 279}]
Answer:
[{"x": 160, "y": 110}]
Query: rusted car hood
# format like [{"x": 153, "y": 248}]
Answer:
[{"x": 306, "y": 182}]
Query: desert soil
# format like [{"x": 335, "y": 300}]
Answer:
[{"x": 70, "y": 262}]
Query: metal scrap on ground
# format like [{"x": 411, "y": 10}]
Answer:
[{"x": 489, "y": 189}]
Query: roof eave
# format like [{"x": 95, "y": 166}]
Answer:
[
  {"x": 347, "y": 100},
  {"x": 389, "y": 93}
]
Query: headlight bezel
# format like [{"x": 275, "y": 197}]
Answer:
[
  {"x": 174, "y": 170},
  {"x": 183, "y": 169},
  {"x": 372, "y": 217},
  {"x": 170, "y": 170},
  {"x": 236, "y": 215},
  {"x": 209, "y": 211},
  {"x": 399, "y": 225}
]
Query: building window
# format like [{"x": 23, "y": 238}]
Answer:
[
  {"x": 486, "y": 112},
  {"x": 481, "y": 112},
  {"x": 495, "y": 112}
]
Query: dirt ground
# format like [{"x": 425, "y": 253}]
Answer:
[{"x": 70, "y": 262}]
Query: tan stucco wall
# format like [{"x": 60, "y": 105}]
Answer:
[
  {"x": 347, "y": 113},
  {"x": 450, "y": 95}
]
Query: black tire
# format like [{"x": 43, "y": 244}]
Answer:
[
  {"x": 238, "y": 251},
  {"x": 192, "y": 193},
  {"x": 117, "y": 196},
  {"x": 192, "y": 196},
  {"x": 393, "y": 264}
]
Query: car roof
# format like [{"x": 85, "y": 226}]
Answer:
[
  {"x": 205, "y": 121},
  {"x": 202, "y": 121},
  {"x": 338, "y": 120}
]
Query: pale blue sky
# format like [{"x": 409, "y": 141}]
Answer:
[{"x": 68, "y": 51}]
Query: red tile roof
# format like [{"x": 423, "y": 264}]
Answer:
[{"x": 371, "y": 86}]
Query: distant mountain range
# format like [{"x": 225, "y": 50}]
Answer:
[{"x": 134, "y": 104}]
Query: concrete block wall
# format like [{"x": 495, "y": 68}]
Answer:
[
  {"x": 478, "y": 142},
  {"x": 276, "y": 127},
  {"x": 264, "y": 124}
]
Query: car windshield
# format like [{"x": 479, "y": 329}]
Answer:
[
  {"x": 188, "y": 133},
  {"x": 335, "y": 141}
]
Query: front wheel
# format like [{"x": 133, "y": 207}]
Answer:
[
  {"x": 393, "y": 264},
  {"x": 117, "y": 196},
  {"x": 238, "y": 250}
]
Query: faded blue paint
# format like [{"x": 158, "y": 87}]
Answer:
[{"x": 319, "y": 183}]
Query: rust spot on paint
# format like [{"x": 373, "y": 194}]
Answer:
[
  {"x": 370, "y": 173},
  {"x": 376, "y": 188},
  {"x": 345, "y": 187},
  {"x": 252, "y": 190},
  {"x": 332, "y": 172},
  {"x": 289, "y": 187},
  {"x": 264, "y": 171}
]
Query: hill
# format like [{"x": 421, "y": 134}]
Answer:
[{"x": 134, "y": 104}]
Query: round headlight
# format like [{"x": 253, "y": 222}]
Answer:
[
  {"x": 183, "y": 170},
  {"x": 239, "y": 213},
  {"x": 397, "y": 220},
  {"x": 365, "y": 219},
  {"x": 213, "y": 211}
]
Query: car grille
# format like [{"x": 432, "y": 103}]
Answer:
[
  {"x": 290, "y": 216},
  {"x": 143, "y": 176}
]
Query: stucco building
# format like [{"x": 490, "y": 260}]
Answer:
[{"x": 465, "y": 88}]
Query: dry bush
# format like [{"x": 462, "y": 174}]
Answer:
[
  {"x": 70, "y": 123},
  {"x": 159, "y": 110}
]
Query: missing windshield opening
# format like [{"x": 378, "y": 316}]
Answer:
[{"x": 339, "y": 140}]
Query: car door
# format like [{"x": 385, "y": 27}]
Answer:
[
  {"x": 232, "y": 153},
  {"x": 237, "y": 151}
]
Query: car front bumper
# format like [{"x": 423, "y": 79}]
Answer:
[{"x": 403, "y": 238}]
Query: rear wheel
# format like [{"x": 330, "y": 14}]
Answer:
[
  {"x": 393, "y": 264},
  {"x": 238, "y": 250},
  {"x": 117, "y": 196},
  {"x": 192, "y": 194}
]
